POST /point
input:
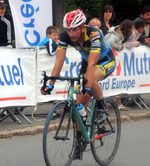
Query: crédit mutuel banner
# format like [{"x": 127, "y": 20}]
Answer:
[
  {"x": 31, "y": 18},
  {"x": 132, "y": 74},
  {"x": 17, "y": 77}
]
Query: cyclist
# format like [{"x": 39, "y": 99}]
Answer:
[{"x": 94, "y": 49}]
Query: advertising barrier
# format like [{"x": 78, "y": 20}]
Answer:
[
  {"x": 21, "y": 74},
  {"x": 17, "y": 77},
  {"x": 132, "y": 74}
]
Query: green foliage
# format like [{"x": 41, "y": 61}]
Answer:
[
  {"x": 123, "y": 8},
  {"x": 91, "y": 8}
]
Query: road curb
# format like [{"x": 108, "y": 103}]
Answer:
[
  {"x": 39, "y": 129},
  {"x": 134, "y": 116},
  {"x": 21, "y": 132}
]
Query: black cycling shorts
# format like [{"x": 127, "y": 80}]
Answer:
[{"x": 107, "y": 65}]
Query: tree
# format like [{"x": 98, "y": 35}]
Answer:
[{"x": 59, "y": 13}]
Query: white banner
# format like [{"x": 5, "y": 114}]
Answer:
[
  {"x": 20, "y": 81},
  {"x": 31, "y": 18},
  {"x": 17, "y": 77},
  {"x": 132, "y": 74}
]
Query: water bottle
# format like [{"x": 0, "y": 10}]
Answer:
[{"x": 82, "y": 111}]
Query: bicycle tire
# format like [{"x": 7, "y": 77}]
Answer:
[
  {"x": 4, "y": 113},
  {"x": 57, "y": 148},
  {"x": 104, "y": 149}
]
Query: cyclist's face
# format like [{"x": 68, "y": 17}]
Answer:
[
  {"x": 146, "y": 17},
  {"x": 2, "y": 11},
  {"x": 74, "y": 33}
]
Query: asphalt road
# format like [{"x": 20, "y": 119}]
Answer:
[{"x": 134, "y": 148}]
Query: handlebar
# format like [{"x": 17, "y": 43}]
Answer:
[{"x": 80, "y": 79}]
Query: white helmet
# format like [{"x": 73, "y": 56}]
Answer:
[{"x": 74, "y": 19}]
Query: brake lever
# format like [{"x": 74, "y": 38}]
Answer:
[
  {"x": 45, "y": 78},
  {"x": 83, "y": 81}
]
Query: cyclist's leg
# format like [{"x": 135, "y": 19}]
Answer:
[{"x": 103, "y": 69}]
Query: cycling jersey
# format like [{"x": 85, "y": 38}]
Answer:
[{"x": 94, "y": 41}]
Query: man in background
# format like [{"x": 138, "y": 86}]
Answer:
[
  {"x": 145, "y": 15},
  {"x": 95, "y": 22},
  {"x": 5, "y": 26}
]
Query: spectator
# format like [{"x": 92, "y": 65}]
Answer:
[
  {"x": 115, "y": 37},
  {"x": 119, "y": 34},
  {"x": 5, "y": 26},
  {"x": 139, "y": 27},
  {"x": 108, "y": 15},
  {"x": 145, "y": 15},
  {"x": 51, "y": 40},
  {"x": 95, "y": 22}
]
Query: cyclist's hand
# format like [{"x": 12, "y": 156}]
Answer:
[
  {"x": 79, "y": 98},
  {"x": 47, "y": 90},
  {"x": 83, "y": 99},
  {"x": 87, "y": 95},
  {"x": 86, "y": 100}
]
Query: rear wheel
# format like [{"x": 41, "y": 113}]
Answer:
[
  {"x": 107, "y": 135},
  {"x": 59, "y": 137}
]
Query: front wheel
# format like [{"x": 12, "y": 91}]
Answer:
[
  {"x": 59, "y": 137},
  {"x": 107, "y": 135}
]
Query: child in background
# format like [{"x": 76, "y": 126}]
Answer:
[{"x": 51, "y": 40}]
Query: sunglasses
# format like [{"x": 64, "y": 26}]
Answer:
[{"x": 2, "y": 8}]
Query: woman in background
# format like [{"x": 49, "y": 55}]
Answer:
[{"x": 107, "y": 18}]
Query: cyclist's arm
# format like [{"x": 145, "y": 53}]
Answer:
[
  {"x": 95, "y": 39},
  {"x": 60, "y": 58}
]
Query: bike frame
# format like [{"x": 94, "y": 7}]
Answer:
[{"x": 86, "y": 134}]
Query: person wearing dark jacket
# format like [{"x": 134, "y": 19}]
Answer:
[
  {"x": 145, "y": 15},
  {"x": 5, "y": 26}
]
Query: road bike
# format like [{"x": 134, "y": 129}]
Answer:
[{"x": 60, "y": 133}]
